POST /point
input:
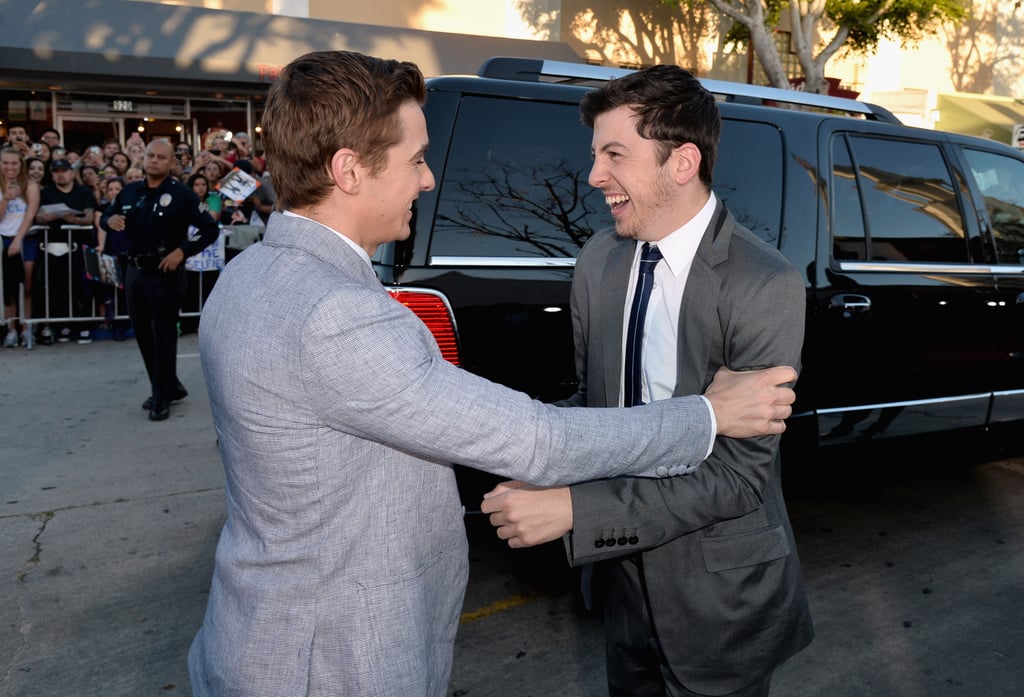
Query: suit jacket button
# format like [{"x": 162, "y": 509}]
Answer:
[
  {"x": 610, "y": 542},
  {"x": 599, "y": 543},
  {"x": 661, "y": 471},
  {"x": 621, "y": 541},
  {"x": 673, "y": 471},
  {"x": 633, "y": 539}
]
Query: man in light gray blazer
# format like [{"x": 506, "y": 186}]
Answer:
[
  {"x": 704, "y": 594},
  {"x": 342, "y": 563}
]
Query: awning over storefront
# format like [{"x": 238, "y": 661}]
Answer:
[
  {"x": 979, "y": 115},
  {"x": 122, "y": 41}
]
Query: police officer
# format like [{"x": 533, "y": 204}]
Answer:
[{"x": 155, "y": 214}]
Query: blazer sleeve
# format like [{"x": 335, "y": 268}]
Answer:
[
  {"x": 371, "y": 369},
  {"x": 761, "y": 326}
]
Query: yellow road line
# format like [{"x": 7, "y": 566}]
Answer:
[{"x": 497, "y": 606}]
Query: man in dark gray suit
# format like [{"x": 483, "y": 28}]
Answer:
[
  {"x": 704, "y": 594},
  {"x": 342, "y": 563}
]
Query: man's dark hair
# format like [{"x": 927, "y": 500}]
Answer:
[
  {"x": 672, "y": 107},
  {"x": 19, "y": 124}
]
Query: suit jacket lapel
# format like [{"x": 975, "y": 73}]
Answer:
[
  {"x": 614, "y": 288},
  {"x": 700, "y": 334}
]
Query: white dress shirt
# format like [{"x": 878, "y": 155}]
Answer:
[{"x": 659, "y": 352}]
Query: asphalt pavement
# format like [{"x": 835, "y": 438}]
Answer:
[{"x": 108, "y": 524}]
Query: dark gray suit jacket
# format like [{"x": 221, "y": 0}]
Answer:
[{"x": 719, "y": 558}]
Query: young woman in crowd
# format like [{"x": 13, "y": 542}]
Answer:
[
  {"x": 42, "y": 151},
  {"x": 183, "y": 153},
  {"x": 110, "y": 187},
  {"x": 38, "y": 171},
  {"x": 115, "y": 244},
  {"x": 92, "y": 157},
  {"x": 136, "y": 152},
  {"x": 20, "y": 203},
  {"x": 120, "y": 163},
  {"x": 210, "y": 199},
  {"x": 133, "y": 174},
  {"x": 90, "y": 178}
]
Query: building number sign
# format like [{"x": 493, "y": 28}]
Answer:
[{"x": 122, "y": 105}]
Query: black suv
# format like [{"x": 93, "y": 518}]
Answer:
[{"x": 911, "y": 243}]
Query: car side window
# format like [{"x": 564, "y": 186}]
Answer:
[
  {"x": 903, "y": 191},
  {"x": 1001, "y": 181},
  {"x": 849, "y": 241},
  {"x": 752, "y": 194},
  {"x": 515, "y": 183}
]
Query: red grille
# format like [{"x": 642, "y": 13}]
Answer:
[{"x": 434, "y": 312}]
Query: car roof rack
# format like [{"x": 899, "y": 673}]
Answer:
[{"x": 563, "y": 72}]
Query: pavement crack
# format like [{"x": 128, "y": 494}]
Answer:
[{"x": 43, "y": 519}]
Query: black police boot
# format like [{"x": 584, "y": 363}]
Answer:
[
  {"x": 160, "y": 411},
  {"x": 179, "y": 394}
]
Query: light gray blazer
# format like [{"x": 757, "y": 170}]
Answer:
[
  {"x": 342, "y": 563},
  {"x": 721, "y": 569}
]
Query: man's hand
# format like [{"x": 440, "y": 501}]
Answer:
[
  {"x": 116, "y": 222},
  {"x": 528, "y": 515},
  {"x": 171, "y": 262},
  {"x": 752, "y": 402}
]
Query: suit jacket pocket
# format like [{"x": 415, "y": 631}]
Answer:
[{"x": 746, "y": 549}]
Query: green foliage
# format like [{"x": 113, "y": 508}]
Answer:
[{"x": 906, "y": 20}]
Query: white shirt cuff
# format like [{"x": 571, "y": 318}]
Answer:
[{"x": 714, "y": 425}]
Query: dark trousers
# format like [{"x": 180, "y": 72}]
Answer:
[
  {"x": 635, "y": 662},
  {"x": 154, "y": 299},
  {"x": 59, "y": 288}
]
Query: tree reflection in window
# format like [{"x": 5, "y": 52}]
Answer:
[
  {"x": 516, "y": 183},
  {"x": 535, "y": 209}
]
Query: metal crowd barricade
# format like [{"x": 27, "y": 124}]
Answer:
[
  {"x": 62, "y": 278},
  {"x": 39, "y": 235},
  {"x": 66, "y": 295}
]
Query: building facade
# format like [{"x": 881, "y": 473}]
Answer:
[
  {"x": 97, "y": 69},
  {"x": 189, "y": 68}
]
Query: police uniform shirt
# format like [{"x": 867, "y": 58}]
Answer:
[{"x": 157, "y": 220}]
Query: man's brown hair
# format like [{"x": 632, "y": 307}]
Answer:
[{"x": 328, "y": 100}]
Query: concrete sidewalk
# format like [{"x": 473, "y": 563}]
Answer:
[
  {"x": 108, "y": 525},
  {"x": 108, "y": 522}
]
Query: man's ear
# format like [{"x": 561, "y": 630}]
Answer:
[
  {"x": 685, "y": 163},
  {"x": 345, "y": 171}
]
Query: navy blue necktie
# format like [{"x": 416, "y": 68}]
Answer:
[{"x": 632, "y": 390}]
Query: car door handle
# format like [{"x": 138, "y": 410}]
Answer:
[{"x": 850, "y": 303}]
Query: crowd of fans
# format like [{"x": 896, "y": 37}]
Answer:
[{"x": 53, "y": 199}]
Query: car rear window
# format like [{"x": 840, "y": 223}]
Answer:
[
  {"x": 1001, "y": 181},
  {"x": 515, "y": 182},
  {"x": 748, "y": 176},
  {"x": 893, "y": 200}
]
